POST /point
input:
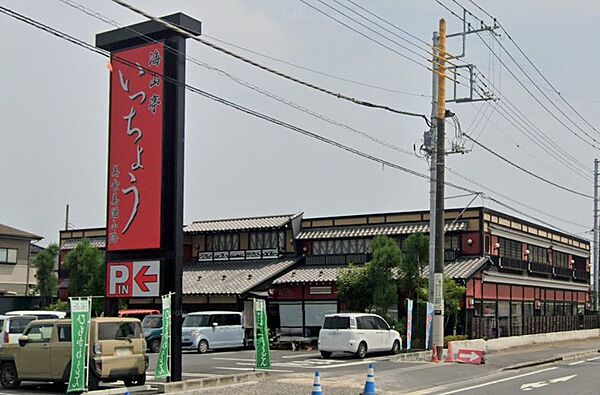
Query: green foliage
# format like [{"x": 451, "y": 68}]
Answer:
[
  {"x": 448, "y": 339},
  {"x": 453, "y": 293},
  {"x": 86, "y": 268},
  {"x": 47, "y": 282},
  {"x": 61, "y": 305},
  {"x": 416, "y": 257},
  {"x": 373, "y": 286}
]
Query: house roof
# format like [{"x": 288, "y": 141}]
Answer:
[
  {"x": 230, "y": 278},
  {"x": 461, "y": 268},
  {"x": 376, "y": 230},
  {"x": 70, "y": 244},
  {"x": 311, "y": 274},
  {"x": 9, "y": 231},
  {"x": 238, "y": 224}
]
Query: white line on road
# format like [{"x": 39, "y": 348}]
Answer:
[
  {"x": 251, "y": 369},
  {"x": 576, "y": 363},
  {"x": 592, "y": 359},
  {"x": 234, "y": 359},
  {"x": 498, "y": 381},
  {"x": 300, "y": 356}
]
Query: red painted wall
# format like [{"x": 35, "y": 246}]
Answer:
[
  {"x": 474, "y": 248},
  {"x": 503, "y": 292}
]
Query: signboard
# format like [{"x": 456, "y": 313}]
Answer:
[
  {"x": 409, "y": 312},
  {"x": 261, "y": 335},
  {"x": 438, "y": 293},
  {"x": 428, "y": 324},
  {"x": 135, "y": 149},
  {"x": 132, "y": 279},
  {"x": 80, "y": 329},
  {"x": 470, "y": 356},
  {"x": 162, "y": 363}
]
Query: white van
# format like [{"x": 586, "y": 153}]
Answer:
[
  {"x": 357, "y": 333},
  {"x": 40, "y": 314},
  {"x": 207, "y": 330},
  {"x": 12, "y": 327}
]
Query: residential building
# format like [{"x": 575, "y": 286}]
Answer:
[{"x": 17, "y": 275}]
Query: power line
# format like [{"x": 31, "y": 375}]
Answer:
[
  {"x": 336, "y": 77},
  {"x": 371, "y": 38},
  {"x": 238, "y": 80},
  {"x": 268, "y": 118},
  {"x": 269, "y": 69},
  {"x": 525, "y": 170}
]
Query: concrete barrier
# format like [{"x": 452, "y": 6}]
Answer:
[
  {"x": 188, "y": 386},
  {"x": 475, "y": 344},
  {"x": 527, "y": 340}
]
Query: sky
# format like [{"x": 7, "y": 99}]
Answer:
[{"x": 54, "y": 111}]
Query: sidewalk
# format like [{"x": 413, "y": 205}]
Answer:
[{"x": 393, "y": 377}]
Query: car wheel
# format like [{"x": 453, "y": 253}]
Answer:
[
  {"x": 325, "y": 354},
  {"x": 136, "y": 380},
  {"x": 155, "y": 345},
  {"x": 395, "y": 347},
  {"x": 9, "y": 378},
  {"x": 93, "y": 381},
  {"x": 203, "y": 346},
  {"x": 362, "y": 350}
]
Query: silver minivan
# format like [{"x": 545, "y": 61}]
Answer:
[{"x": 208, "y": 330}]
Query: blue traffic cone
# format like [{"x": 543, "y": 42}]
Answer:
[
  {"x": 317, "y": 385},
  {"x": 370, "y": 384}
]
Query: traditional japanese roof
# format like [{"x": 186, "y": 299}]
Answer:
[
  {"x": 374, "y": 230},
  {"x": 230, "y": 278},
  {"x": 9, "y": 231},
  {"x": 311, "y": 274},
  {"x": 239, "y": 224},
  {"x": 70, "y": 244},
  {"x": 462, "y": 268}
]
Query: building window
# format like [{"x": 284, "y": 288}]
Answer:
[
  {"x": 537, "y": 254},
  {"x": 559, "y": 259},
  {"x": 452, "y": 242},
  {"x": 267, "y": 240},
  {"x": 511, "y": 248},
  {"x": 343, "y": 246},
  {"x": 8, "y": 255},
  {"x": 223, "y": 242}
]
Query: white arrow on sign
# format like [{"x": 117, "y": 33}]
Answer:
[
  {"x": 471, "y": 357},
  {"x": 562, "y": 379}
]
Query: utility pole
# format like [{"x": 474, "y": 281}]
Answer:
[
  {"x": 438, "y": 288},
  {"x": 595, "y": 277},
  {"x": 430, "y": 139}
]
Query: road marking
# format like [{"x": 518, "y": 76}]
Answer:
[
  {"x": 592, "y": 359},
  {"x": 562, "y": 379},
  {"x": 530, "y": 386},
  {"x": 576, "y": 363},
  {"x": 234, "y": 359},
  {"x": 252, "y": 369},
  {"x": 300, "y": 356},
  {"x": 498, "y": 381}
]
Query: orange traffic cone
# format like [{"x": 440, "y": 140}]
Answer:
[
  {"x": 450, "y": 355},
  {"x": 434, "y": 356}
]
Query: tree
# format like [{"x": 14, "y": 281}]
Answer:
[
  {"x": 416, "y": 257},
  {"x": 374, "y": 285},
  {"x": 47, "y": 281},
  {"x": 86, "y": 269},
  {"x": 453, "y": 294}
]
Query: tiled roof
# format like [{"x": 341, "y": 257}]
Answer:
[
  {"x": 461, "y": 268},
  {"x": 310, "y": 274},
  {"x": 233, "y": 278},
  {"x": 9, "y": 231},
  {"x": 70, "y": 244},
  {"x": 376, "y": 230},
  {"x": 221, "y": 225}
]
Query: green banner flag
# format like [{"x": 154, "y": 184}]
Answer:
[
  {"x": 80, "y": 331},
  {"x": 261, "y": 335},
  {"x": 162, "y": 365}
]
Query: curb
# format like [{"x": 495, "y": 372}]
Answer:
[
  {"x": 412, "y": 356},
  {"x": 194, "y": 384},
  {"x": 563, "y": 357}
]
